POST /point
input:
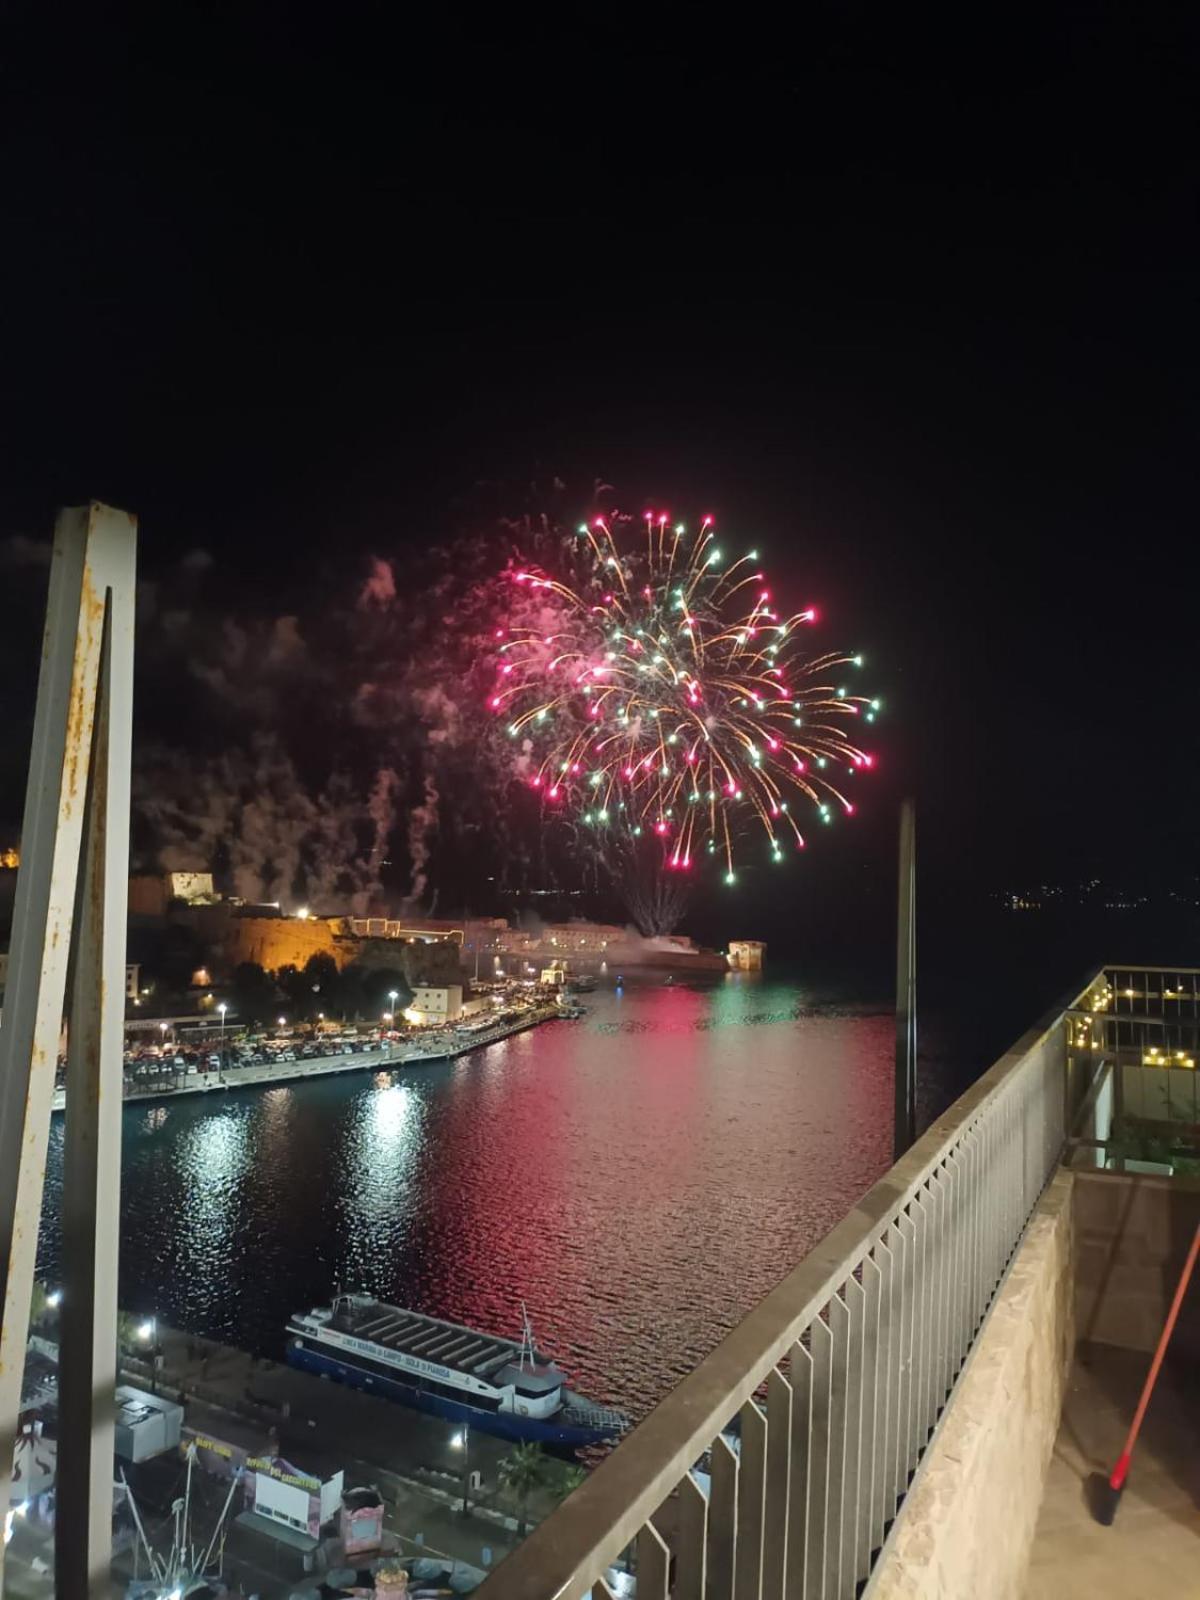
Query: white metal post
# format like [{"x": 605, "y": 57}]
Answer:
[{"x": 70, "y": 913}]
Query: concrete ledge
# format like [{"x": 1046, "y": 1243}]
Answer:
[{"x": 967, "y": 1526}]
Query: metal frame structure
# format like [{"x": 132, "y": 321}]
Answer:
[
  {"x": 905, "y": 1125},
  {"x": 68, "y": 952}
]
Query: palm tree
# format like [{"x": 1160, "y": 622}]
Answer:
[
  {"x": 127, "y": 1330},
  {"x": 567, "y": 1478},
  {"x": 523, "y": 1471}
]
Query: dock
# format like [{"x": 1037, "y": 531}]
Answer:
[{"x": 396, "y": 1055}]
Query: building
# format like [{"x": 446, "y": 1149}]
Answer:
[
  {"x": 147, "y": 1424},
  {"x": 746, "y": 954},
  {"x": 433, "y": 1003},
  {"x": 274, "y": 942},
  {"x": 425, "y": 928},
  {"x": 151, "y": 893}
]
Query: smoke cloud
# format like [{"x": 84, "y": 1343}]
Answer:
[{"x": 422, "y": 823}]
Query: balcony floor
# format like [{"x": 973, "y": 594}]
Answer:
[{"x": 1152, "y": 1551}]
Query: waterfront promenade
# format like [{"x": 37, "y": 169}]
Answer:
[
  {"x": 419, "y": 1463},
  {"x": 460, "y": 1042}
]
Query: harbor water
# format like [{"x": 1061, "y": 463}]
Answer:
[{"x": 639, "y": 1179}]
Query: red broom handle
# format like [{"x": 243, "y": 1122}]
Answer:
[{"x": 1121, "y": 1470}]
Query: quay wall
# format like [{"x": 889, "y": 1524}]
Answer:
[{"x": 328, "y": 1066}]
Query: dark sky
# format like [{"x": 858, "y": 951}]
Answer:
[{"x": 918, "y": 311}]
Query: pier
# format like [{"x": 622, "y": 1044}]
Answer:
[{"x": 396, "y": 1055}]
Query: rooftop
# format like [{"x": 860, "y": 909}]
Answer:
[{"x": 1152, "y": 1549}]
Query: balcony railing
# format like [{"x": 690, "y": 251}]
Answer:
[
  {"x": 777, "y": 1467},
  {"x": 1141, "y": 1027}
]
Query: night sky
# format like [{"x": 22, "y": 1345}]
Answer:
[{"x": 916, "y": 315}]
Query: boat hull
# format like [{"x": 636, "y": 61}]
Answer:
[{"x": 503, "y": 1424}]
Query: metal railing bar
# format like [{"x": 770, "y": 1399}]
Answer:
[
  {"x": 873, "y": 1446},
  {"x": 722, "y": 1520},
  {"x": 751, "y": 1511},
  {"x": 691, "y": 1558},
  {"x": 835, "y": 1510},
  {"x": 854, "y": 1296},
  {"x": 868, "y": 1589},
  {"x": 821, "y": 1350},
  {"x": 653, "y": 1564},
  {"x": 800, "y": 1366},
  {"x": 776, "y": 1529}
]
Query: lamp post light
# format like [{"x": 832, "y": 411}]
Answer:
[
  {"x": 462, "y": 1441},
  {"x": 222, "y": 1008},
  {"x": 148, "y": 1334}
]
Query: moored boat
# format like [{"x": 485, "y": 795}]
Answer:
[{"x": 501, "y": 1386}]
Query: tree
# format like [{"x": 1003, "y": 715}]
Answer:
[
  {"x": 320, "y": 975},
  {"x": 254, "y": 995},
  {"x": 377, "y": 991},
  {"x": 522, "y": 1472},
  {"x": 296, "y": 995},
  {"x": 350, "y": 1002},
  {"x": 567, "y": 1477},
  {"x": 180, "y": 953},
  {"x": 128, "y": 1336}
]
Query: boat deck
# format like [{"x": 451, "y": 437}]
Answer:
[{"x": 479, "y": 1355}]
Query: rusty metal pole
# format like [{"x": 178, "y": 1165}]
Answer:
[
  {"x": 70, "y": 913},
  {"x": 906, "y": 985}
]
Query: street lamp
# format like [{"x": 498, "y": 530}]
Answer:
[
  {"x": 282, "y": 1021},
  {"x": 222, "y": 1008},
  {"x": 148, "y": 1334},
  {"x": 462, "y": 1441}
]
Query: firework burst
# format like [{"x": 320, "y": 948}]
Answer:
[{"x": 666, "y": 696}]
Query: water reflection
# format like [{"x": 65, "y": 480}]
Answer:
[
  {"x": 212, "y": 1157},
  {"x": 381, "y": 1144}
]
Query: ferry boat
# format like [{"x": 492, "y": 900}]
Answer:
[{"x": 500, "y": 1386}]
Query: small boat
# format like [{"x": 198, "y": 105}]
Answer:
[{"x": 500, "y": 1386}]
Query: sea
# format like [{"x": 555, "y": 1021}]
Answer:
[{"x": 635, "y": 1180}]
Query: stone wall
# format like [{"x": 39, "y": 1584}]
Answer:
[
  {"x": 275, "y": 942},
  {"x": 1131, "y": 1237},
  {"x": 967, "y": 1526}
]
